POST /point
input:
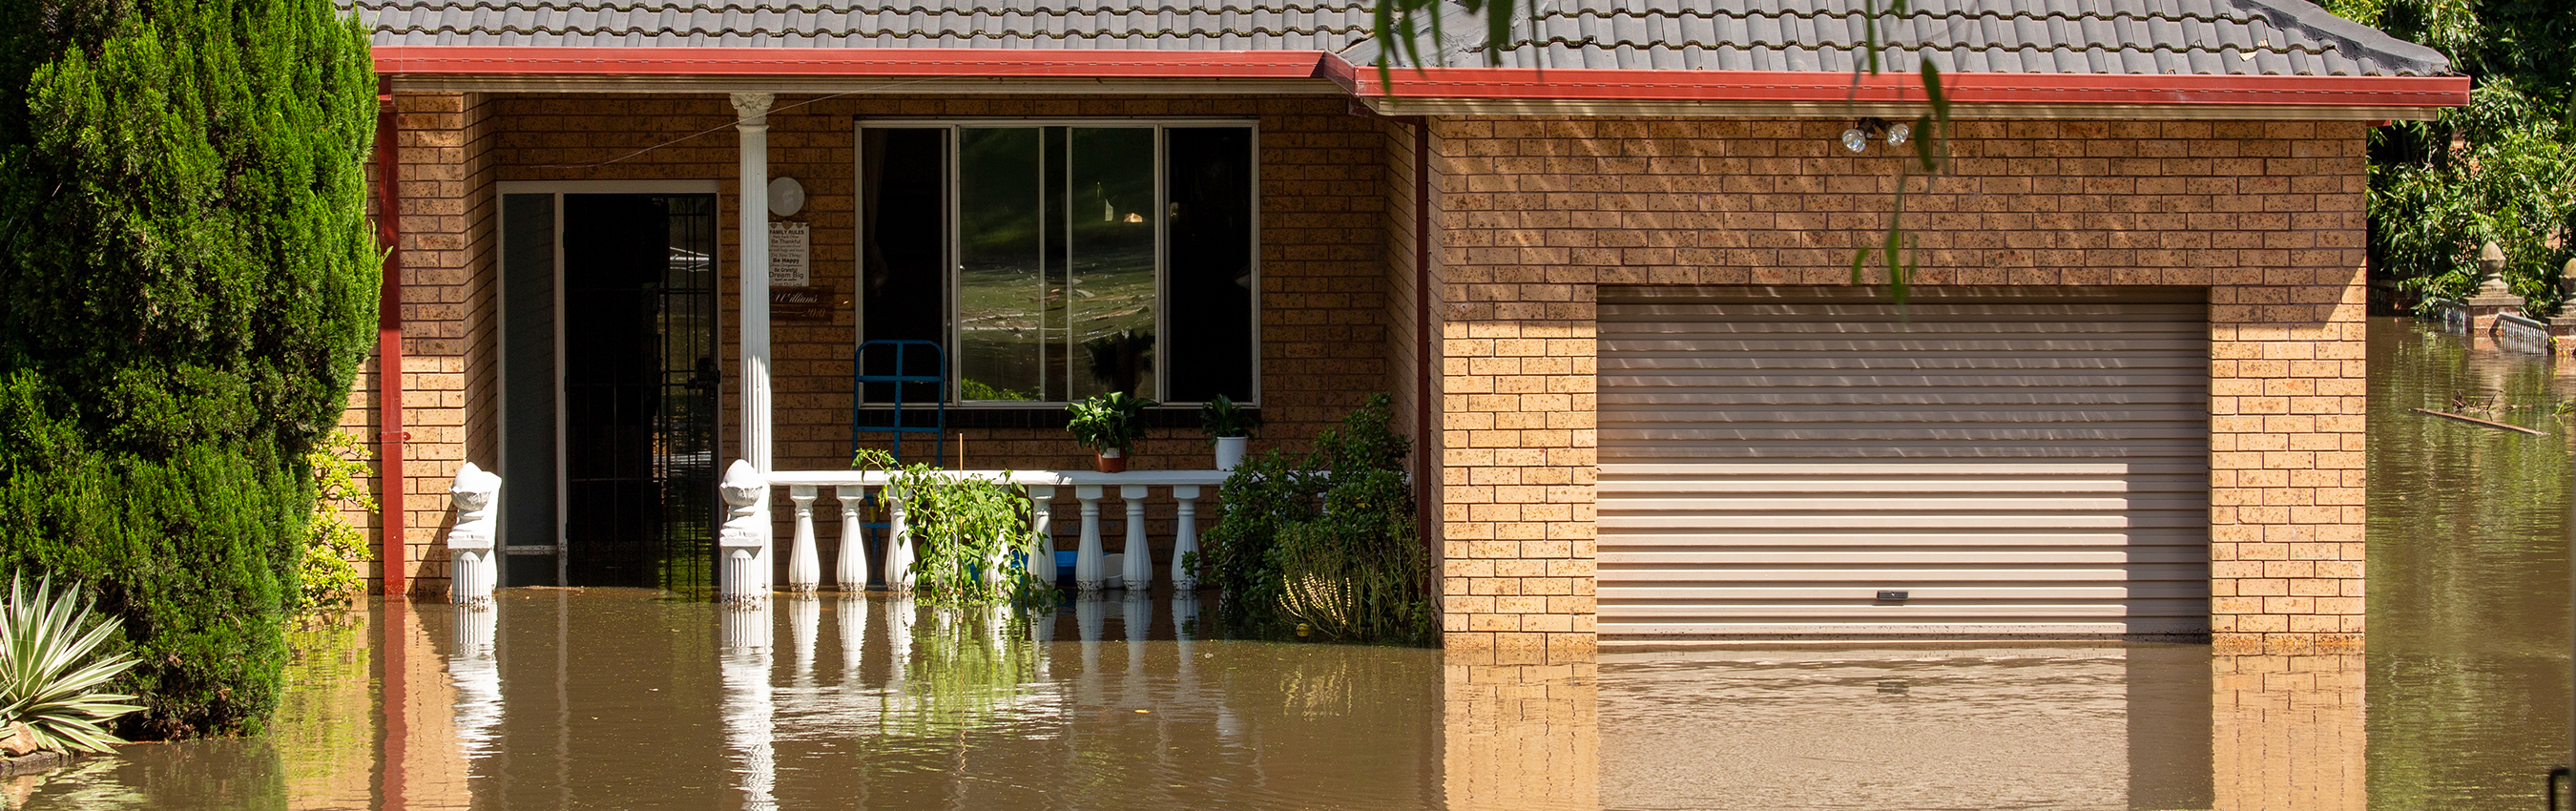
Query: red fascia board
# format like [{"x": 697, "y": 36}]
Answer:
[
  {"x": 452, "y": 60},
  {"x": 1964, "y": 88}
]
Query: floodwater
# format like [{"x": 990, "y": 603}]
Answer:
[{"x": 615, "y": 699}]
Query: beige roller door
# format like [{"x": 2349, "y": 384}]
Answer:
[{"x": 2016, "y": 461}]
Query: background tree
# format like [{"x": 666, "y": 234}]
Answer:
[
  {"x": 187, "y": 281},
  {"x": 2502, "y": 168}
]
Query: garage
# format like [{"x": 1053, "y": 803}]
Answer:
[{"x": 1817, "y": 463}]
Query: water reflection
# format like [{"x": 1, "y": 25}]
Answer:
[{"x": 615, "y": 699}]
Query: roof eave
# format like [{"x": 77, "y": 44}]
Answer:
[{"x": 1409, "y": 91}]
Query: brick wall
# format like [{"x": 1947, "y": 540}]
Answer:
[
  {"x": 1322, "y": 239},
  {"x": 447, "y": 374},
  {"x": 2267, "y": 215}
]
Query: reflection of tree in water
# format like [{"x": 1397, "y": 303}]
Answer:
[
  {"x": 2468, "y": 574},
  {"x": 969, "y": 667}
]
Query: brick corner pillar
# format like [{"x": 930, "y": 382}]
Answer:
[
  {"x": 1518, "y": 468},
  {"x": 2289, "y": 389}
]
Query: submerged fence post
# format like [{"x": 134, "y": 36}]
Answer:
[
  {"x": 471, "y": 572},
  {"x": 743, "y": 576}
]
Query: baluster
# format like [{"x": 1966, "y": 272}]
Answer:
[
  {"x": 1140, "y": 558},
  {"x": 804, "y": 569},
  {"x": 850, "y": 574},
  {"x": 1185, "y": 537},
  {"x": 1041, "y": 523},
  {"x": 898, "y": 564},
  {"x": 1086, "y": 556}
]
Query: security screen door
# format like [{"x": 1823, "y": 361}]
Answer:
[{"x": 625, "y": 425}]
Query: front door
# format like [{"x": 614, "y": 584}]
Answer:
[{"x": 609, "y": 457}]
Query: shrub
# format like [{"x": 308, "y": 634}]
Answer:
[
  {"x": 1324, "y": 544},
  {"x": 332, "y": 548},
  {"x": 961, "y": 527},
  {"x": 187, "y": 283}
]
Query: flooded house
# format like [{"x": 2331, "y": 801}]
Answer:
[{"x": 1604, "y": 266}]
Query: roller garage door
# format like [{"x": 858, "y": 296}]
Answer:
[{"x": 1783, "y": 462}]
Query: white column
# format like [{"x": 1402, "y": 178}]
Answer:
[
  {"x": 1086, "y": 552},
  {"x": 1185, "y": 536},
  {"x": 752, "y": 121},
  {"x": 850, "y": 572},
  {"x": 804, "y": 566},
  {"x": 1140, "y": 558},
  {"x": 751, "y": 111}
]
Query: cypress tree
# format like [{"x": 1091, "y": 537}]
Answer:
[{"x": 187, "y": 281}]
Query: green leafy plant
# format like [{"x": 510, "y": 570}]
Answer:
[
  {"x": 1113, "y": 420},
  {"x": 971, "y": 537},
  {"x": 49, "y": 670},
  {"x": 1325, "y": 543},
  {"x": 1220, "y": 417},
  {"x": 2501, "y": 170},
  {"x": 332, "y": 548}
]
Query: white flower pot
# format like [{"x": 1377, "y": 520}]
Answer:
[{"x": 1229, "y": 451}]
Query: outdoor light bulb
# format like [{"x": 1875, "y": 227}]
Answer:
[
  {"x": 1855, "y": 140},
  {"x": 1897, "y": 133}
]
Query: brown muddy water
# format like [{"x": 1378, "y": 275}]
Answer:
[{"x": 614, "y": 699}]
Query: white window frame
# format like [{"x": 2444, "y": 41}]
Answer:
[{"x": 1162, "y": 239}]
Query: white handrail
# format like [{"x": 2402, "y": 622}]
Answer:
[
  {"x": 1059, "y": 478},
  {"x": 1090, "y": 574}
]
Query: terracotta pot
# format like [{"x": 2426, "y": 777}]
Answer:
[{"x": 1110, "y": 460}]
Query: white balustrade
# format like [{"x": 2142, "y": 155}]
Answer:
[
  {"x": 1091, "y": 568},
  {"x": 898, "y": 558},
  {"x": 850, "y": 574},
  {"x": 1185, "y": 537},
  {"x": 471, "y": 571},
  {"x": 1086, "y": 550},
  {"x": 804, "y": 570}
]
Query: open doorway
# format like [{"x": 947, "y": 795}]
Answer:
[{"x": 610, "y": 390}]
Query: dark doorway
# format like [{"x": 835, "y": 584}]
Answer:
[{"x": 640, "y": 385}]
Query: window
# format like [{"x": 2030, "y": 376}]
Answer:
[{"x": 1056, "y": 261}]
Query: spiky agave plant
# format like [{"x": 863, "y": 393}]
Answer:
[{"x": 48, "y": 675}]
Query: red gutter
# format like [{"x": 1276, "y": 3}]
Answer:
[
  {"x": 389, "y": 388},
  {"x": 421, "y": 60},
  {"x": 1430, "y": 83},
  {"x": 1964, "y": 88}
]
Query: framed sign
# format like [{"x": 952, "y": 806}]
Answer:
[{"x": 791, "y": 247}]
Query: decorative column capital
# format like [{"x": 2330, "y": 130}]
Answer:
[{"x": 752, "y": 108}]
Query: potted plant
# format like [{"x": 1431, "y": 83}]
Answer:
[
  {"x": 1229, "y": 427},
  {"x": 1108, "y": 424}
]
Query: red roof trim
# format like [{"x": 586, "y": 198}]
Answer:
[
  {"x": 1433, "y": 83},
  {"x": 1963, "y": 88},
  {"x": 452, "y": 60}
]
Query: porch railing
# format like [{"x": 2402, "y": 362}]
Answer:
[{"x": 849, "y": 490}]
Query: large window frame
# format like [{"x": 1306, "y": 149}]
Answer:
[{"x": 953, "y": 248}]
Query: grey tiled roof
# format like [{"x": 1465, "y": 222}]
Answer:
[
  {"x": 2139, "y": 37},
  {"x": 1240, "y": 25},
  {"x": 2147, "y": 37}
]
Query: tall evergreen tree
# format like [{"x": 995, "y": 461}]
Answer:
[{"x": 187, "y": 281}]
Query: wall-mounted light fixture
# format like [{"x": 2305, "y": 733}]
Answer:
[{"x": 1857, "y": 138}]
